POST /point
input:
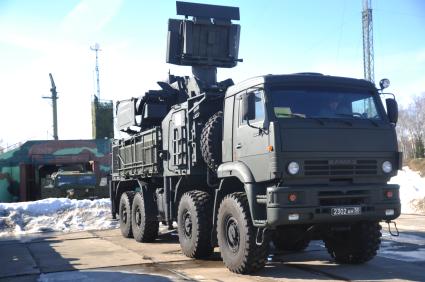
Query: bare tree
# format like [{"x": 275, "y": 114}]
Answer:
[{"x": 411, "y": 128}]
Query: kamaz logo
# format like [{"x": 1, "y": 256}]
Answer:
[{"x": 342, "y": 162}]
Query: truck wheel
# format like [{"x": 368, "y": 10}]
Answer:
[
  {"x": 126, "y": 202},
  {"x": 144, "y": 221},
  {"x": 290, "y": 239},
  {"x": 237, "y": 237},
  {"x": 194, "y": 224},
  {"x": 355, "y": 246},
  {"x": 211, "y": 137}
]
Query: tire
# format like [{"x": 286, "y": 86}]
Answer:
[
  {"x": 357, "y": 245},
  {"x": 126, "y": 202},
  {"x": 144, "y": 221},
  {"x": 290, "y": 239},
  {"x": 194, "y": 224},
  {"x": 237, "y": 236},
  {"x": 211, "y": 137}
]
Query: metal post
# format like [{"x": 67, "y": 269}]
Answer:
[{"x": 54, "y": 97}]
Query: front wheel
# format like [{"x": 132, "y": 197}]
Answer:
[
  {"x": 357, "y": 245},
  {"x": 237, "y": 236}
]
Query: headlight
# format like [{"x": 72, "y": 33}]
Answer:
[
  {"x": 293, "y": 168},
  {"x": 387, "y": 167}
]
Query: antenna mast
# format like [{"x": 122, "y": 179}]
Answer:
[
  {"x": 368, "y": 56},
  {"x": 96, "y": 48},
  {"x": 54, "y": 97}
]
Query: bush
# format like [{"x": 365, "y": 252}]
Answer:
[{"x": 417, "y": 165}]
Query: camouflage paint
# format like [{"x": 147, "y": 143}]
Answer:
[
  {"x": 9, "y": 179},
  {"x": 51, "y": 152}
]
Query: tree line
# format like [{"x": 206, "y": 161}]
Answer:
[{"x": 411, "y": 128}]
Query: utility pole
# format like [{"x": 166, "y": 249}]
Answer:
[
  {"x": 96, "y": 48},
  {"x": 368, "y": 56},
  {"x": 54, "y": 97}
]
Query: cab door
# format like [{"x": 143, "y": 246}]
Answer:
[{"x": 251, "y": 141}]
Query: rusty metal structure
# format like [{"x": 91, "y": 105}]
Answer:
[{"x": 55, "y": 168}]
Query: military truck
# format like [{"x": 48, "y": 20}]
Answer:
[
  {"x": 72, "y": 184},
  {"x": 281, "y": 158}
]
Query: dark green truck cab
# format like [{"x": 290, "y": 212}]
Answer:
[{"x": 308, "y": 163}]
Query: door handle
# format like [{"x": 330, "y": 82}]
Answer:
[{"x": 238, "y": 146}]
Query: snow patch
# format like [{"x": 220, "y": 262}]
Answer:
[
  {"x": 55, "y": 214},
  {"x": 412, "y": 191}
]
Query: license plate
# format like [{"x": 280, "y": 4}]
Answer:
[{"x": 346, "y": 211}]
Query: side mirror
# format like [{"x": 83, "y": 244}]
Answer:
[
  {"x": 248, "y": 106},
  {"x": 392, "y": 110}
]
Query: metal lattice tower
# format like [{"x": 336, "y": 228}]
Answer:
[
  {"x": 96, "y": 48},
  {"x": 368, "y": 56}
]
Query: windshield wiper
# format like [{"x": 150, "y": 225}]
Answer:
[
  {"x": 290, "y": 115},
  {"x": 321, "y": 120},
  {"x": 296, "y": 115},
  {"x": 354, "y": 115}
]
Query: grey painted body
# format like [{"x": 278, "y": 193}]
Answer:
[
  {"x": 258, "y": 159},
  {"x": 340, "y": 158}
]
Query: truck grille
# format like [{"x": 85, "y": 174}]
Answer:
[
  {"x": 339, "y": 198},
  {"x": 340, "y": 167}
]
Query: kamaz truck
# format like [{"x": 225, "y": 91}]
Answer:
[{"x": 277, "y": 158}]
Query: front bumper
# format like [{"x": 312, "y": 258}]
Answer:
[{"x": 314, "y": 204}]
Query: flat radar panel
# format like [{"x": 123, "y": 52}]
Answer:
[{"x": 207, "y": 11}]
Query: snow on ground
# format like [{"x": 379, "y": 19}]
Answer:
[
  {"x": 412, "y": 191},
  {"x": 65, "y": 215},
  {"x": 55, "y": 214}
]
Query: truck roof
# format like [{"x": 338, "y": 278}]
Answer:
[{"x": 304, "y": 79}]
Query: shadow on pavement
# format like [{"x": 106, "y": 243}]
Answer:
[
  {"x": 74, "y": 258},
  {"x": 317, "y": 260},
  {"x": 104, "y": 276}
]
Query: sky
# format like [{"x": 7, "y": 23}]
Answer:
[{"x": 277, "y": 37}]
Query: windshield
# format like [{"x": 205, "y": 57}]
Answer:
[{"x": 323, "y": 104}]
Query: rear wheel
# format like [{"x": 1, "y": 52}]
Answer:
[
  {"x": 290, "y": 238},
  {"x": 194, "y": 221},
  {"x": 126, "y": 202},
  {"x": 237, "y": 236},
  {"x": 144, "y": 221},
  {"x": 354, "y": 246}
]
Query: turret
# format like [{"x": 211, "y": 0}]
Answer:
[{"x": 206, "y": 41}]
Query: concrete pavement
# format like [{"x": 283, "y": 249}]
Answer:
[{"x": 107, "y": 256}]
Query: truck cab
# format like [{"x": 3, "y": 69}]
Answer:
[{"x": 317, "y": 147}]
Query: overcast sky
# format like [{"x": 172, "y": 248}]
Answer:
[{"x": 282, "y": 36}]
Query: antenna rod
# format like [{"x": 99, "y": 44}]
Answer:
[
  {"x": 54, "y": 97},
  {"x": 96, "y": 48}
]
